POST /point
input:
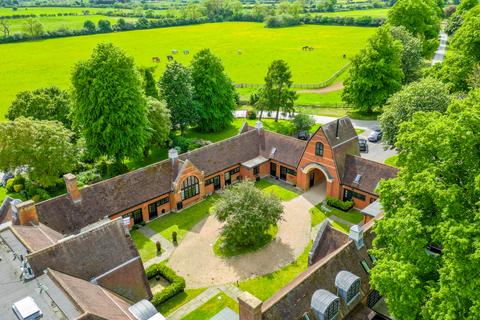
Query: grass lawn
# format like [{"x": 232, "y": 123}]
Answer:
[
  {"x": 392, "y": 161},
  {"x": 183, "y": 221},
  {"x": 212, "y": 307},
  {"x": 265, "y": 286},
  {"x": 330, "y": 99},
  {"x": 375, "y": 13},
  {"x": 283, "y": 193},
  {"x": 178, "y": 300},
  {"x": 222, "y": 249},
  {"x": 340, "y": 226},
  {"x": 318, "y": 215},
  {"x": 34, "y": 64},
  {"x": 145, "y": 246}
]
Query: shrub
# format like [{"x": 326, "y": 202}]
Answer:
[
  {"x": 9, "y": 185},
  {"x": 36, "y": 198},
  {"x": 18, "y": 187},
  {"x": 177, "y": 283},
  {"x": 252, "y": 115},
  {"x": 339, "y": 204}
]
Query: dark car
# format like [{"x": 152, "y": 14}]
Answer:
[
  {"x": 363, "y": 144},
  {"x": 375, "y": 136},
  {"x": 303, "y": 135}
]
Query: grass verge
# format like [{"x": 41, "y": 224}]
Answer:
[
  {"x": 179, "y": 300},
  {"x": 282, "y": 193},
  {"x": 145, "y": 246},
  {"x": 212, "y": 307}
]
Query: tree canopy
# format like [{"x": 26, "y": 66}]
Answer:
[
  {"x": 44, "y": 147},
  {"x": 159, "y": 117},
  {"x": 375, "y": 72},
  {"x": 426, "y": 95},
  {"x": 433, "y": 201},
  {"x": 411, "y": 53},
  {"x": 213, "y": 91},
  {"x": 467, "y": 38},
  {"x": 49, "y": 103},
  {"x": 149, "y": 84},
  {"x": 109, "y": 106}
]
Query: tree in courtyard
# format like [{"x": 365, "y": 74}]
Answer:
[
  {"x": 49, "y": 103},
  {"x": 159, "y": 117},
  {"x": 43, "y": 147},
  {"x": 375, "y": 73},
  {"x": 277, "y": 94},
  {"x": 33, "y": 28},
  {"x": 303, "y": 122},
  {"x": 213, "y": 92},
  {"x": 149, "y": 84},
  {"x": 109, "y": 106},
  {"x": 177, "y": 90},
  {"x": 427, "y": 95},
  {"x": 89, "y": 26},
  {"x": 411, "y": 53},
  {"x": 421, "y": 18},
  {"x": 433, "y": 201},
  {"x": 247, "y": 213}
]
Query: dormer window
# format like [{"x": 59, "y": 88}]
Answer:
[
  {"x": 325, "y": 305},
  {"x": 357, "y": 179},
  {"x": 319, "y": 149},
  {"x": 348, "y": 286}
]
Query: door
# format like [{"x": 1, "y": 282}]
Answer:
[
  {"x": 283, "y": 173},
  {"x": 179, "y": 205},
  {"x": 228, "y": 178},
  {"x": 137, "y": 216},
  {"x": 273, "y": 169},
  {"x": 312, "y": 179},
  {"x": 216, "y": 182},
  {"x": 152, "y": 211}
]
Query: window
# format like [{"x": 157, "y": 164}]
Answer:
[
  {"x": 235, "y": 170},
  {"x": 256, "y": 170},
  {"x": 292, "y": 172},
  {"x": 319, "y": 149},
  {"x": 365, "y": 266},
  {"x": 349, "y": 194},
  {"x": 208, "y": 181},
  {"x": 353, "y": 291},
  {"x": 162, "y": 201},
  {"x": 372, "y": 257},
  {"x": 190, "y": 187}
]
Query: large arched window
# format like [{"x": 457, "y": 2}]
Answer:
[
  {"x": 319, "y": 149},
  {"x": 190, "y": 187}
]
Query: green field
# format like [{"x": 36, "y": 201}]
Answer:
[
  {"x": 30, "y": 65},
  {"x": 53, "y": 10},
  {"x": 375, "y": 13}
]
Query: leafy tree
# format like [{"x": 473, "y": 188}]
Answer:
[
  {"x": 466, "y": 5},
  {"x": 213, "y": 91},
  {"x": 375, "y": 72},
  {"x": 43, "y": 147},
  {"x": 109, "y": 105},
  {"x": 33, "y": 28},
  {"x": 420, "y": 17},
  {"x": 303, "y": 122},
  {"x": 49, "y": 103},
  {"x": 277, "y": 94},
  {"x": 411, "y": 53},
  {"x": 159, "y": 117},
  {"x": 455, "y": 71},
  {"x": 149, "y": 84},
  {"x": 467, "y": 38},
  {"x": 89, "y": 26},
  {"x": 433, "y": 201},
  {"x": 248, "y": 214},
  {"x": 104, "y": 26},
  {"x": 177, "y": 90},
  {"x": 426, "y": 95},
  {"x": 5, "y": 27}
]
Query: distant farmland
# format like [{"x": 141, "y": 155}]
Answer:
[{"x": 30, "y": 65}]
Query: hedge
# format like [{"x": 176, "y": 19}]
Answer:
[
  {"x": 339, "y": 204},
  {"x": 177, "y": 283}
]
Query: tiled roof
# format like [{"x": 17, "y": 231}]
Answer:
[
  {"x": 368, "y": 172},
  {"x": 288, "y": 150},
  {"x": 37, "y": 237}
]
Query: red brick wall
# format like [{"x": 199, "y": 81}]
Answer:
[{"x": 359, "y": 204}]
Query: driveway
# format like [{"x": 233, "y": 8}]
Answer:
[{"x": 195, "y": 261}]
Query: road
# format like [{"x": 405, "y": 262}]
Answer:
[{"x": 442, "y": 49}]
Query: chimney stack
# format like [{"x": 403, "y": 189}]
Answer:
[
  {"x": 259, "y": 126},
  {"x": 27, "y": 213},
  {"x": 72, "y": 187},
  {"x": 356, "y": 234}
]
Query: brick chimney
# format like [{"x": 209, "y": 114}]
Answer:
[
  {"x": 27, "y": 213},
  {"x": 250, "y": 307},
  {"x": 72, "y": 187}
]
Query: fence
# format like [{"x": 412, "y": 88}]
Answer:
[{"x": 320, "y": 85}]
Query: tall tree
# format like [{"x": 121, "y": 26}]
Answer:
[
  {"x": 411, "y": 53},
  {"x": 177, "y": 90},
  {"x": 159, "y": 117},
  {"x": 427, "y": 95},
  {"x": 109, "y": 106},
  {"x": 467, "y": 38},
  {"x": 43, "y": 147},
  {"x": 149, "y": 84},
  {"x": 5, "y": 27},
  {"x": 277, "y": 94},
  {"x": 49, "y": 103},
  {"x": 213, "y": 91},
  {"x": 33, "y": 28},
  {"x": 375, "y": 73},
  {"x": 433, "y": 201}
]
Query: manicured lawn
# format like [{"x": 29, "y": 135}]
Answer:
[
  {"x": 222, "y": 249},
  {"x": 264, "y": 287},
  {"x": 330, "y": 99},
  {"x": 281, "y": 192},
  {"x": 178, "y": 300},
  {"x": 182, "y": 221},
  {"x": 212, "y": 307},
  {"x": 318, "y": 215},
  {"x": 145, "y": 246},
  {"x": 34, "y": 64},
  {"x": 392, "y": 161}
]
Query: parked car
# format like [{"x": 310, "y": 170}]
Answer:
[
  {"x": 303, "y": 135},
  {"x": 375, "y": 136},
  {"x": 363, "y": 144}
]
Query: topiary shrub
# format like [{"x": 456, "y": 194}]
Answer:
[
  {"x": 18, "y": 187},
  {"x": 339, "y": 204},
  {"x": 177, "y": 283}
]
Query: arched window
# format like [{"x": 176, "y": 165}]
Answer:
[
  {"x": 319, "y": 149},
  {"x": 190, "y": 187}
]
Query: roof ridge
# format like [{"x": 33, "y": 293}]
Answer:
[{"x": 286, "y": 136}]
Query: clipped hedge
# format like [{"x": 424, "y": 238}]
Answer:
[
  {"x": 339, "y": 204},
  {"x": 177, "y": 283}
]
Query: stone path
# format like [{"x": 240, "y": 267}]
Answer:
[
  {"x": 195, "y": 260},
  {"x": 167, "y": 246}
]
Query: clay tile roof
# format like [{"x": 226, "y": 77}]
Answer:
[
  {"x": 288, "y": 150},
  {"x": 36, "y": 237},
  {"x": 367, "y": 172}
]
